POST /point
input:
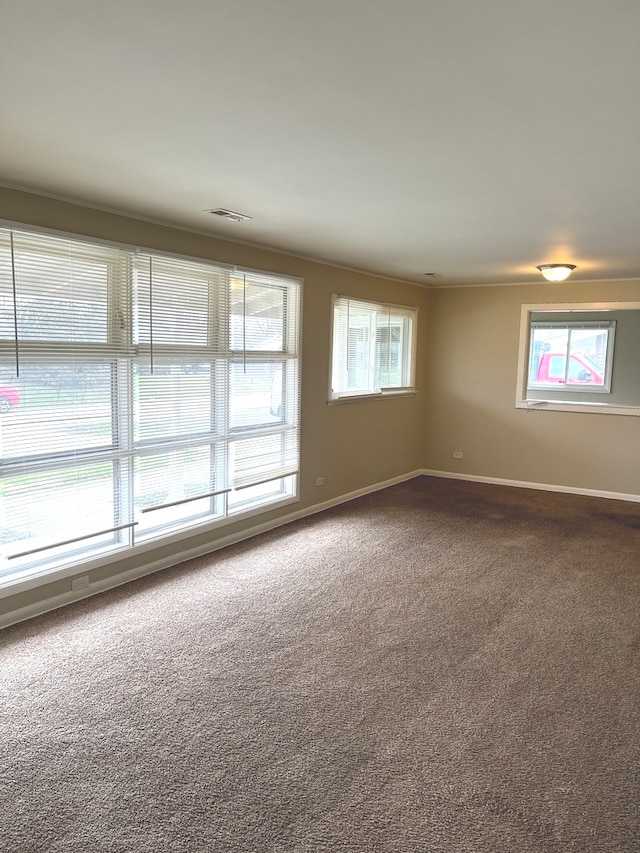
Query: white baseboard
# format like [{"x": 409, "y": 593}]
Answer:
[
  {"x": 53, "y": 603},
  {"x": 521, "y": 484}
]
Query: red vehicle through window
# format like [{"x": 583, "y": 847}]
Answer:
[
  {"x": 9, "y": 397},
  {"x": 553, "y": 370}
]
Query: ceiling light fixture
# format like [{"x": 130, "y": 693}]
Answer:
[{"x": 556, "y": 272}]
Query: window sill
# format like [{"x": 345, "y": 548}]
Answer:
[
  {"x": 358, "y": 398},
  {"x": 587, "y": 408}
]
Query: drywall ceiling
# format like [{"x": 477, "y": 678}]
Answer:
[{"x": 470, "y": 139}]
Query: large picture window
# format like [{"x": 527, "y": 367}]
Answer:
[
  {"x": 140, "y": 396},
  {"x": 373, "y": 349}
]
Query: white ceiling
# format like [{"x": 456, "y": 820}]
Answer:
[{"x": 470, "y": 138}]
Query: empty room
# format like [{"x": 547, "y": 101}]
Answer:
[{"x": 319, "y": 427}]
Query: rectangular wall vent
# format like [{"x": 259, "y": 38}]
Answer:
[{"x": 233, "y": 215}]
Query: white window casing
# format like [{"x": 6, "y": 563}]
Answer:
[
  {"x": 373, "y": 349},
  {"x": 141, "y": 396},
  {"x": 579, "y": 357}
]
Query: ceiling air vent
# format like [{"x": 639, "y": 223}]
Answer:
[{"x": 223, "y": 213}]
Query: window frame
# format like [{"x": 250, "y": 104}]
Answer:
[
  {"x": 577, "y": 326},
  {"x": 577, "y": 402},
  {"x": 410, "y": 313},
  {"x": 124, "y": 450}
]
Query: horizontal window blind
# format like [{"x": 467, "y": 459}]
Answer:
[
  {"x": 138, "y": 392},
  {"x": 373, "y": 348},
  {"x": 55, "y": 291}
]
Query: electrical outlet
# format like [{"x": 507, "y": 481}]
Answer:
[
  {"x": 457, "y": 454},
  {"x": 80, "y": 583},
  {"x": 319, "y": 481}
]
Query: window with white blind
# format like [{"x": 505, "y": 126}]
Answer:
[
  {"x": 373, "y": 349},
  {"x": 140, "y": 396}
]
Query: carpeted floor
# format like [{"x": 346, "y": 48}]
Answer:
[{"x": 440, "y": 666}]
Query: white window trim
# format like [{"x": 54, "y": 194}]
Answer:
[
  {"x": 605, "y": 388},
  {"x": 339, "y": 399},
  {"x": 522, "y": 401},
  {"x": 31, "y": 576}
]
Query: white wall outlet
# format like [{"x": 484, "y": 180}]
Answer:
[
  {"x": 80, "y": 583},
  {"x": 457, "y": 454},
  {"x": 319, "y": 481}
]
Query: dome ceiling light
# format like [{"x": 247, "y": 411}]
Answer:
[{"x": 556, "y": 272}]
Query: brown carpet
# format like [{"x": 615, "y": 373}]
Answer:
[{"x": 440, "y": 666}]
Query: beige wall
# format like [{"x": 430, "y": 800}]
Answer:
[
  {"x": 353, "y": 445},
  {"x": 466, "y": 379},
  {"x": 472, "y": 360}
]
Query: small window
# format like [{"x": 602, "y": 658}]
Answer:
[
  {"x": 373, "y": 349},
  {"x": 571, "y": 356},
  {"x": 580, "y": 357}
]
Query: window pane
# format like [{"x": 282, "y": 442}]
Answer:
[
  {"x": 73, "y": 400},
  {"x": 568, "y": 355},
  {"x": 359, "y": 358},
  {"x": 258, "y": 458},
  {"x": 175, "y": 400},
  {"x": 62, "y": 289},
  {"x": 256, "y": 394},
  {"x": 172, "y": 302},
  {"x": 257, "y": 316},
  {"x": 166, "y": 477},
  {"x": 392, "y": 342},
  {"x": 372, "y": 348},
  {"x": 43, "y": 508},
  {"x": 587, "y": 356},
  {"x": 353, "y": 347},
  {"x": 255, "y": 495}
]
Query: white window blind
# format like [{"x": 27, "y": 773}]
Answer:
[
  {"x": 139, "y": 395},
  {"x": 373, "y": 348},
  {"x": 56, "y": 292}
]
